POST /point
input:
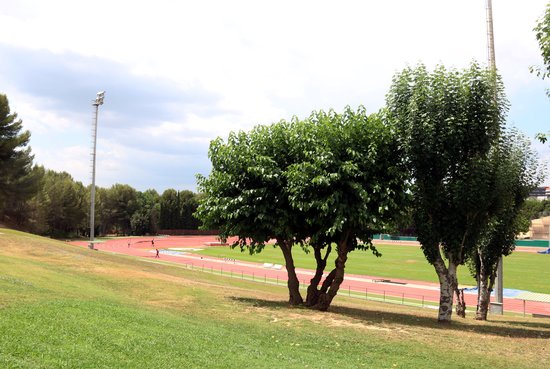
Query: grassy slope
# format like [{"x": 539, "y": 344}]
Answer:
[
  {"x": 522, "y": 270},
  {"x": 63, "y": 306}
]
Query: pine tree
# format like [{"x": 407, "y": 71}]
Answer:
[{"x": 18, "y": 179}]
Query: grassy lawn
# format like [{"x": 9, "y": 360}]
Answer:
[
  {"x": 524, "y": 271},
  {"x": 65, "y": 306}
]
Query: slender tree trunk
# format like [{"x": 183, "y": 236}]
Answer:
[
  {"x": 325, "y": 298},
  {"x": 295, "y": 298},
  {"x": 460, "y": 303},
  {"x": 486, "y": 280},
  {"x": 447, "y": 285},
  {"x": 328, "y": 281},
  {"x": 312, "y": 290},
  {"x": 483, "y": 297}
]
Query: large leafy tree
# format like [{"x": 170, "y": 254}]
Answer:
[
  {"x": 118, "y": 205},
  {"x": 515, "y": 174},
  {"x": 169, "y": 209},
  {"x": 448, "y": 122},
  {"x": 188, "y": 203},
  {"x": 349, "y": 184},
  {"x": 146, "y": 217},
  {"x": 62, "y": 206},
  {"x": 18, "y": 180},
  {"x": 246, "y": 194}
]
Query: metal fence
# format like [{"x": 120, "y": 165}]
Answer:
[{"x": 521, "y": 306}]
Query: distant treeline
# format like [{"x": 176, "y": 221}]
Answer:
[
  {"x": 61, "y": 208},
  {"x": 46, "y": 202}
]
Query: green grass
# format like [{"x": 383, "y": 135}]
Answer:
[
  {"x": 524, "y": 271},
  {"x": 70, "y": 307}
]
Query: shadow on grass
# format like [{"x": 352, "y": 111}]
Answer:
[{"x": 503, "y": 328}]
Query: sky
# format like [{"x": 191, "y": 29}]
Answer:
[{"x": 178, "y": 74}]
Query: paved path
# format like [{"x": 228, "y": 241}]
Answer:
[{"x": 396, "y": 290}]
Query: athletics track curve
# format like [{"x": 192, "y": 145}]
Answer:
[{"x": 355, "y": 285}]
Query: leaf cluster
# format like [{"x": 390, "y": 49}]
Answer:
[
  {"x": 318, "y": 179},
  {"x": 18, "y": 178},
  {"x": 448, "y": 121},
  {"x": 516, "y": 173}
]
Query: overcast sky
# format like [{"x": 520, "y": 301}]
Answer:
[{"x": 177, "y": 74}]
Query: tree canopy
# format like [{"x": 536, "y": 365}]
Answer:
[
  {"x": 246, "y": 193},
  {"x": 19, "y": 180},
  {"x": 448, "y": 122},
  {"x": 329, "y": 178},
  {"x": 542, "y": 34},
  {"x": 515, "y": 173}
]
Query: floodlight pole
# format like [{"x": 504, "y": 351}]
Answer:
[
  {"x": 97, "y": 102},
  {"x": 496, "y": 307}
]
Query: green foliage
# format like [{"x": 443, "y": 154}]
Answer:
[
  {"x": 188, "y": 203},
  {"x": 118, "y": 204},
  {"x": 61, "y": 205},
  {"x": 542, "y": 137},
  {"x": 169, "y": 209},
  {"x": 515, "y": 174},
  {"x": 145, "y": 218},
  {"x": 533, "y": 208},
  {"x": 349, "y": 182},
  {"x": 177, "y": 209},
  {"x": 448, "y": 121},
  {"x": 19, "y": 181},
  {"x": 246, "y": 194},
  {"x": 542, "y": 33}
]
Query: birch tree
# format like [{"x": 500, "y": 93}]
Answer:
[
  {"x": 515, "y": 174},
  {"x": 448, "y": 122}
]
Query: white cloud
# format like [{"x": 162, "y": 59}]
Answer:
[{"x": 180, "y": 73}]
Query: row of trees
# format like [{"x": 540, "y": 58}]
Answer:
[
  {"x": 51, "y": 203},
  {"x": 533, "y": 209},
  {"x": 439, "y": 149},
  {"x": 60, "y": 207}
]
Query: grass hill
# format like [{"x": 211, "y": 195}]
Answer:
[{"x": 65, "y": 306}]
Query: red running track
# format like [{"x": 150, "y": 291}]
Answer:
[{"x": 394, "y": 290}]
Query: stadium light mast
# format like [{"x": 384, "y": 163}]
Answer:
[
  {"x": 97, "y": 102},
  {"x": 497, "y": 307}
]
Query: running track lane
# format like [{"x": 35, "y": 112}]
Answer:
[{"x": 357, "y": 285}]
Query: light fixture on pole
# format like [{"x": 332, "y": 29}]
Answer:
[{"x": 98, "y": 101}]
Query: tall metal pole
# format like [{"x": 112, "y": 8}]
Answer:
[
  {"x": 490, "y": 36},
  {"x": 98, "y": 101},
  {"x": 497, "y": 305}
]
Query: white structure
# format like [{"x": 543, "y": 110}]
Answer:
[{"x": 98, "y": 101}]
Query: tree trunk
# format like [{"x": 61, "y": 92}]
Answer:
[
  {"x": 312, "y": 291},
  {"x": 295, "y": 298},
  {"x": 486, "y": 279},
  {"x": 325, "y": 298},
  {"x": 447, "y": 285},
  {"x": 328, "y": 281},
  {"x": 483, "y": 296},
  {"x": 460, "y": 303}
]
